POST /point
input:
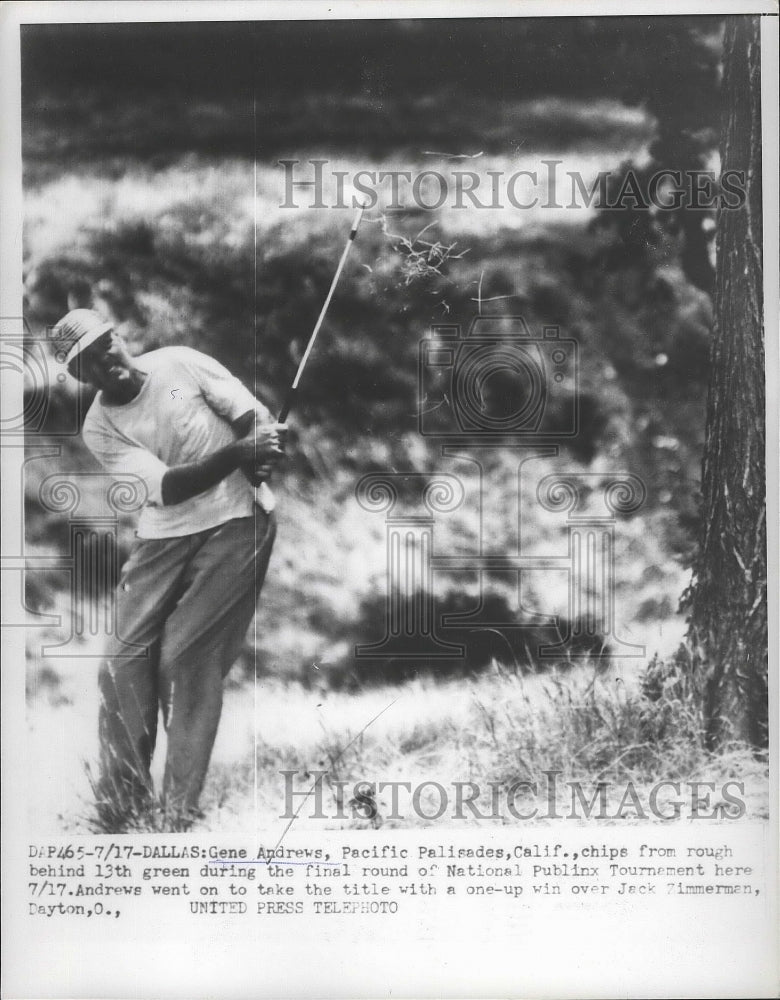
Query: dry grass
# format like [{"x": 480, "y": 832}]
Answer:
[{"x": 501, "y": 727}]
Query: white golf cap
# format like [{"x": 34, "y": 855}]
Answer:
[{"x": 78, "y": 329}]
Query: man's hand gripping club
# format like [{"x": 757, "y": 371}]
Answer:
[
  {"x": 256, "y": 453},
  {"x": 265, "y": 441}
]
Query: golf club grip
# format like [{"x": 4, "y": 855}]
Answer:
[{"x": 287, "y": 406}]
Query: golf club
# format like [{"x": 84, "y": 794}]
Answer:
[
  {"x": 289, "y": 400},
  {"x": 262, "y": 492}
]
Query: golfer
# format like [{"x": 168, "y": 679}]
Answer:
[{"x": 194, "y": 436}]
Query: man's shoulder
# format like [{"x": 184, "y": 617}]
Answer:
[
  {"x": 177, "y": 359},
  {"x": 162, "y": 357}
]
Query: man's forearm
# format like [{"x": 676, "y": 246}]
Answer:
[
  {"x": 259, "y": 448},
  {"x": 181, "y": 482}
]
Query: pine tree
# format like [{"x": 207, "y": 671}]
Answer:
[{"x": 728, "y": 595}]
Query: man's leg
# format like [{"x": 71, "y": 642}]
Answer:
[
  {"x": 148, "y": 588},
  {"x": 201, "y": 640}
]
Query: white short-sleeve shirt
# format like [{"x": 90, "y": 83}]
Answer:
[{"x": 182, "y": 414}]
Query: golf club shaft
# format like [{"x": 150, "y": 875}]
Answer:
[{"x": 287, "y": 406}]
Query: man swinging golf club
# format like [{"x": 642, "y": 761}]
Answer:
[
  {"x": 180, "y": 422},
  {"x": 195, "y": 436}
]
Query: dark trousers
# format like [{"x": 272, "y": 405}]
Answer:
[{"x": 186, "y": 603}]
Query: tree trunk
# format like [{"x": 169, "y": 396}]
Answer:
[{"x": 728, "y": 597}]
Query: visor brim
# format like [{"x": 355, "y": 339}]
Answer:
[{"x": 87, "y": 340}]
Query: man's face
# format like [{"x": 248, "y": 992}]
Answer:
[{"x": 107, "y": 365}]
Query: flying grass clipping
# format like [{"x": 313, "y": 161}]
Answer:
[{"x": 417, "y": 259}]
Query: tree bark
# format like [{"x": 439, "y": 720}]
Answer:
[{"x": 728, "y": 597}]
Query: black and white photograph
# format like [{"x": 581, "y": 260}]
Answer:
[{"x": 389, "y": 438}]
